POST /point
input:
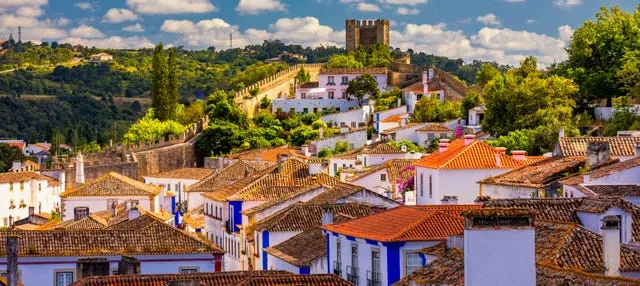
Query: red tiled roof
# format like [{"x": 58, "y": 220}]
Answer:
[
  {"x": 475, "y": 155},
  {"x": 267, "y": 154},
  {"x": 539, "y": 174},
  {"x": 577, "y": 146},
  {"x": 206, "y": 278},
  {"x": 113, "y": 184},
  {"x": 309, "y": 84},
  {"x": 184, "y": 173},
  {"x": 393, "y": 167},
  {"x": 394, "y": 118},
  {"x": 403, "y": 223},
  {"x": 435, "y": 128},
  {"x": 16, "y": 177},
  {"x": 603, "y": 171},
  {"x": 228, "y": 175}
]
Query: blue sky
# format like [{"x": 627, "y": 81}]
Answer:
[{"x": 500, "y": 30}]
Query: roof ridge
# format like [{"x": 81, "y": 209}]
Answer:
[
  {"x": 428, "y": 214},
  {"x": 463, "y": 149}
]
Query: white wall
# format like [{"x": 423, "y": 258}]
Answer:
[
  {"x": 461, "y": 183},
  {"x": 373, "y": 182},
  {"x": 323, "y": 80},
  {"x": 96, "y": 204},
  {"x": 300, "y": 104},
  {"x": 409, "y": 133},
  {"x": 172, "y": 184},
  {"x": 275, "y": 263},
  {"x": 593, "y": 222},
  {"x": 379, "y": 159},
  {"x": 510, "y": 192},
  {"x": 355, "y": 139},
  {"x": 499, "y": 257},
  {"x": 337, "y": 163},
  {"x": 349, "y": 118},
  {"x": 425, "y": 137},
  {"x": 34, "y": 193}
]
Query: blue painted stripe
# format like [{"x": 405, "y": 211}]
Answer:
[
  {"x": 393, "y": 262},
  {"x": 372, "y": 242},
  {"x": 328, "y": 254},
  {"x": 265, "y": 244},
  {"x": 305, "y": 270},
  {"x": 350, "y": 237},
  {"x": 237, "y": 216},
  {"x": 335, "y": 234},
  {"x": 423, "y": 259}
]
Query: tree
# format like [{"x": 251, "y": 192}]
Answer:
[
  {"x": 486, "y": 73},
  {"x": 173, "y": 88},
  {"x": 303, "y": 76},
  {"x": 149, "y": 128},
  {"x": 388, "y": 99},
  {"x": 361, "y": 86},
  {"x": 8, "y": 154},
  {"x": 159, "y": 92},
  {"x": 472, "y": 100},
  {"x": 220, "y": 139},
  {"x": 598, "y": 52},
  {"x": 344, "y": 61},
  {"x": 430, "y": 109}
]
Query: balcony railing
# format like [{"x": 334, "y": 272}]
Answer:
[
  {"x": 337, "y": 268},
  {"x": 352, "y": 274},
  {"x": 373, "y": 278}
]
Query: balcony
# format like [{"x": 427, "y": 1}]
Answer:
[
  {"x": 352, "y": 275},
  {"x": 373, "y": 278},
  {"x": 337, "y": 268}
]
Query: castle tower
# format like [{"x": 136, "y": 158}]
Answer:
[{"x": 365, "y": 33}]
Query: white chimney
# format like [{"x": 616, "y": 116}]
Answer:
[
  {"x": 403, "y": 147},
  {"x": 561, "y": 133},
  {"x": 506, "y": 238},
  {"x": 399, "y": 102},
  {"x": 611, "y": 245},
  {"x": 305, "y": 150},
  {"x": 449, "y": 200},
  {"x": 469, "y": 138},
  {"x": 443, "y": 145},
  {"x": 134, "y": 213},
  {"x": 327, "y": 215},
  {"x": 79, "y": 168},
  {"x": 500, "y": 151},
  {"x": 425, "y": 82},
  {"x": 519, "y": 155}
]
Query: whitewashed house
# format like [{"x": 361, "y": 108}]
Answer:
[
  {"x": 385, "y": 179},
  {"x": 367, "y": 156},
  {"x": 405, "y": 131},
  {"x": 357, "y": 117},
  {"x": 431, "y": 132},
  {"x": 621, "y": 147},
  {"x": 621, "y": 173},
  {"x": 452, "y": 171},
  {"x": 382, "y": 248},
  {"x": 330, "y": 91},
  {"x": 378, "y": 117},
  {"x": 24, "y": 190},
  {"x": 175, "y": 182},
  {"x": 60, "y": 257},
  {"x": 107, "y": 191}
]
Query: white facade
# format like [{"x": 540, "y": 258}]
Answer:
[
  {"x": 425, "y": 137},
  {"x": 18, "y": 196},
  {"x": 177, "y": 186},
  {"x": 312, "y": 105},
  {"x": 352, "y": 118},
  {"x": 356, "y": 139},
  {"x": 510, "y": 192},
  {"x": 433, "y": 184},
  {"x": 378, "y": 182},
  {"x": 593, "y": 222},
  {"x": 408, "y": 133},
  {"x": 43, "y": 270},
  {"x": 318, "y": 266},
  {"x": 625, "y": 177},
  {"x": 102, "y": 203},
  {"x": 334, "y": 86}
]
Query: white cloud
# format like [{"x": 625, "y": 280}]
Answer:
[
  {"x": 117, "y": 15},
  {"x": 254, "y": 7},
  {"x": 404, "y": 2},
  {"x": 367, "y": 7},
  {"x": 136, "y": 28},
  {"x": 133, "y": 42},
  {"x": 489, "y": 19},
  {"x": 15, "y": 4},
  {"x": 567, "y": 3},
  {"x": 565, "y": 32},
  {"x": 84, "y": 31},
  {"x": 84, "y": 5},
  {"x": 28, "y": 11},
  {"x": 170, "y": 6},
  {"x": 407, "y": 11},
  {"x": 531, "y": 21},
  {"x": 179, "y": 26}
]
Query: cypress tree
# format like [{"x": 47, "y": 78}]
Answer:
[
  {"x": 159, "y": 84},
  {"x": 173, "y": 90}
]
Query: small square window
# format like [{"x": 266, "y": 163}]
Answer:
[{"x": 383, "y": 177}]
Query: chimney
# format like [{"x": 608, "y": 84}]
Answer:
[
  {"x": 113, "y": 208},
  {"x": 281, "y": 158},
  {"x": 399, "y": 102},
  {"x": 86, "y": 267},
  {"x": 504, "y": 236},
  {"x": 637, "y": 150},
  {"x": 403, "y": 147},
  {"x": 10, "y": 221},
  {"x": 79, "y": 169},
  {"x": 449, "y": 200},
  {"x": 327, "y": 215},
  {"x": 128, "y": 265},
  {"x": 469, "y": 138},
  {"x": 185, "y": 282},
  {"x": 519, "y": 155},
  {"x": 12, "y": 260},
  {"x": 598, "y": 152},
  {"x": 425, "y": 82},
  {"x": 134, "y": 213},
  {"x": 443, "y": 145},
  {"x": 561, "y": 133},
  {"x": 403, "y": 121},
  {"x": 611, "y": 245},
  {"x": 31, "y": 211},
  {"x": 499, "y": 152},
  {"x": 305, "y": 150}
]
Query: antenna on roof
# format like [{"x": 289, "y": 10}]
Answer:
[{"x": 19, "y": 34}]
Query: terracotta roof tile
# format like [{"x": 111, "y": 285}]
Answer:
[
  {"x": 351, "y": 154},
  {"x": 403, "y": 223},
  {"x": 21, "y": 177},
  {"x": 475, "y": 155},
  {"x": 406, "y": 126},
  {"x": 435, "y": 128},
  {"x": 577, "y": 146},
  {"x": 267, "y": 154},
  {"x": 615, "y": 190},
  {"x": 113, "y": 184},
  {"x": 156, "y": 239},
  {"x": 206, "y": 278},
  {"x": 223, "y": 193},
  {"x": 234, "y": 172},
  {"x": 395, "y": 118},
  {"x": 539, "y": 174},
  {"x": 309, "y": 84},
  {"x": 293, "y": 279},
  {"x": 384, "y": 148},
  {"x": 185, "y": 173},
  {"x": 603, "y": 171},
  {"x": 302, "y": 249},
  {"x": 371, "y": 70},
  {"x": 340, "y": 191},
  {"x": 394, "y": 169}
]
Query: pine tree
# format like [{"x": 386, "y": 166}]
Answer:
[
  {"x": 159, "y": 84},
  {"x": 173, "y": 90}
]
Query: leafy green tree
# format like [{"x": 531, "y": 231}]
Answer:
[
  {"x": 190, "y": 114},
  {"x": 326, "y": 152},
  {"x": 302, "y": 134},
  {"x": 344, "y": 61},
  {"x": 149, "y": 128},
  {"x": 173, "y": 88},
  {"x": 159, "y": 92},
  {"x": 599, "y": 51},
  {"x": 431, "y": 109},
  {"x": 410, "y": 145},
  {"x": 265, "y": 102},
  {"x": 303, "y": 76},
  {"x": 8, "y": 154},
  {"x": 220, "y": 139},
  {"x": 360, "y": 86},
  {"x": 220, "y": 107},
  {"x": 472, "y": 100},
  {"x": 486, "y": 73},
  {"x": 387, "y": 99}
]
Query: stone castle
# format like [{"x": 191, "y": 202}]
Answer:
[{"x": 366, "y": 32}]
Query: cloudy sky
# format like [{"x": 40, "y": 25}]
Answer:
[{"x": 500, "y": 30}]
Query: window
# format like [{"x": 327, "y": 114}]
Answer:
[
  {"x": 337, "y": 264},
  {"x": 344, "y": 94},
  {"x": 373, "y": 276},
  {"x": 189, "y": 269},
  {"x": 352, "y": 270},
  {"x": 430, "y": 186},
  {"x": 305, "y": 110},
  {"x": 383, "y": 177},
  {"x": 345, "y": 80},
  {"x": 331, "y": 95},
  {"x": 206, "y": 208},
  {"x": 169, "y": 187},
  {"x": 64, "y": 278},
  {"x": 413, "y": 262},
  {"x": 231, "y": 224},
  {"x": 114, "y": 272},
  {"x": 422, "y": 185},
  {"x": 354, "y": 255},
  {"x": 10, "y": 187},
  {"x": 21, "y": 186},
  {"x": 39, "y": 187},
  {"x": 303, "y": 95},
  {"x": 330, "y": 81}
]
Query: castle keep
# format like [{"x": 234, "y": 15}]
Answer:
[{"x": 366, "y": 32}]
